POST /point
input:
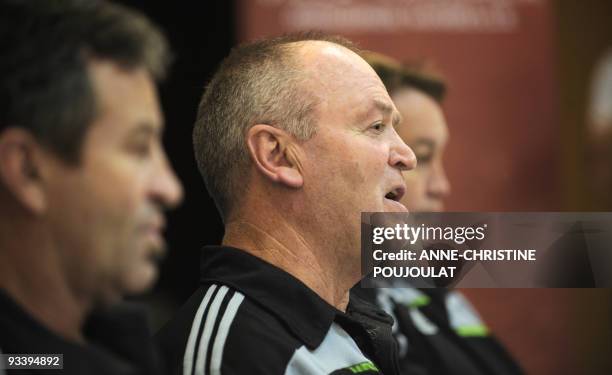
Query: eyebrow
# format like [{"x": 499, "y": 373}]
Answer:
[
  {"x": 387, "y": 110},
  {"x": 425, "y": 142},
  {"x": 147, "y": 128}
]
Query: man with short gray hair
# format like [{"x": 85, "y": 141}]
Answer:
[
  {"x": 258, "y": 83},
  {"x": 294, "y": 138}
]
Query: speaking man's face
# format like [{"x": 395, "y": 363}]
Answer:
[
  {"x": 356, "y": 158},
  {"x": 106, "y": 213}
]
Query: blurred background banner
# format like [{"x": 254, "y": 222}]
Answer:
[{"x": 498, "y": 59}]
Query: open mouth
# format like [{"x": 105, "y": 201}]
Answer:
[
  {"x": 393, "y": 197},
  {"x": 396, "y": 194}
]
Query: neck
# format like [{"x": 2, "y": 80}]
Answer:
[
  {"x": 279, "y": 243},
  {"x": 31, "y": 274}
]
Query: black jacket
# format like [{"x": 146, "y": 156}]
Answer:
[
  {"x": 119, "y": 342},
  {"x": 440, "y": 333},
  {"x": 250, "y": 317}
]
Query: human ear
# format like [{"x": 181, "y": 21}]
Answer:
[
  {"x": 270, "y": 149},
  {"x": 20, "y": 170}
]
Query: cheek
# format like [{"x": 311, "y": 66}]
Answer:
[
  {"x": 362, "y": 178},
  {"x": 119, "y": 187},
  {"x": 134, "y": 270},
  {"x": 115, "y": 205},
  {"x": 334, "y": 163},
  {"x": 350, "y": 170},
  {"x": 415, "y": 190}
]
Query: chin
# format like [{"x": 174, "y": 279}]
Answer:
[
  {"x": 140, "y": 280},
  {"x": 108, "y": 298}
]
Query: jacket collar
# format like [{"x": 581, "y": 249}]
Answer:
[{"x": 306, "y": 314}]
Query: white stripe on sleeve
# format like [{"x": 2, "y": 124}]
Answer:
[
  {"x": 226, "y": 322},
  {"x": 195, "y": 328},
  {"x": 211, "y": 318}
]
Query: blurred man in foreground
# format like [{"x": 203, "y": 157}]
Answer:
[
  {"x": 294, "y": 138},
  {"x": 84, "y": 181},
  {"x": 437, "y": 330}
]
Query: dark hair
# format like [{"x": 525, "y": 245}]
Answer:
[
  {"x": 259, "y": 82},
  {"x": 395, "y": 76},
  {"x": 45, "y": 47}
]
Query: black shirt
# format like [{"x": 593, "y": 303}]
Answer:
[
  {"x": 118, "y": 342},
  {"x": 250, "y": 317},
  {"x": 440, "y": 333}
]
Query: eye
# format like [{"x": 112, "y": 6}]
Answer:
[
  {"x": 143, "y": 150},
  {"x": 140, "y": 148},
  {"x": 424, "y": 158},
  {"x": 378, "y": 127}
]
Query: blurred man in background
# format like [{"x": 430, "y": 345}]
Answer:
[
  {"x": 418, "y": 96},
  {"x": 294, "y": 138},
  {"x": 84, "y": 182},
  {"x": 437, "y": 330},
  {"x": 599, "y": 134}
]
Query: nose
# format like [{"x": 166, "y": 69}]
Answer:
[
  {"x": 166, "y": 187},
  {"x": 438, "y": 184},
  {"x": 401, "y": 155}
]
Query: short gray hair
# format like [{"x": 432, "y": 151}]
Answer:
[{"x": 259, "y": 82}]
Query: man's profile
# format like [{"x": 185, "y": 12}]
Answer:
[
  {"x": 84, "y": 181},
  {"x": 294, "y": 138}
]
